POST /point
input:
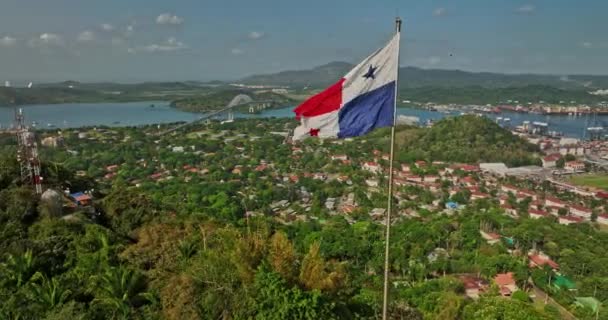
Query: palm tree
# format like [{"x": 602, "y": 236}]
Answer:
[
  {"x": 119, "y": 288},
  {"x": 18, "y": 269},
  {"x": 48, "y": 292}
]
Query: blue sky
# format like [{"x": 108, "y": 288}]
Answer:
[{"x": 151, "y": 40}]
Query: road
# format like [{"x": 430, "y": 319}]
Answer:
[{"x": 540, "y": 296}]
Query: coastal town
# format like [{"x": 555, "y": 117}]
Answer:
[{"x": 255, "y": 163}]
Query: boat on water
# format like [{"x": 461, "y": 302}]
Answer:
[
  {"x": 50, "y": 125},
  {"x": 152, "y": 106}
]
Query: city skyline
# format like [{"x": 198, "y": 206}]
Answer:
[{"x": 137, "y": 40}]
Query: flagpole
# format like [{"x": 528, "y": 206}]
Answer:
[{"x": 389, "y": 206}]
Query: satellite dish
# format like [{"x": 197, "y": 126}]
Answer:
[{"x": 29, "y": 85}]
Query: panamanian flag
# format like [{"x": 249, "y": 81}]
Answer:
[{"x": 360, "y": 102}]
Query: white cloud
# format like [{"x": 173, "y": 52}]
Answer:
[
  {"x": 254, "y": 35},
  {"x": 434, "y": 61},
  {"x": 107, "y": 27},
  {"x": 86, "y": 36},
  {"x": 236, "y": 51},
  {"x": 439, "y": 12},
  {"x": 170, "y": 19},
  {"x": 587, "y": 44},
  {"x": 526, "y": 9},
  {"x": 7, "y": 41},
  {"x": 171, "y": 44},
  {"x": 47, "y": 39}
]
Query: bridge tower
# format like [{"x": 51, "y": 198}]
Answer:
[{"x": 27, "y": 153}]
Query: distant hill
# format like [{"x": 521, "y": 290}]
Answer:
[
  {"x": 412, "y": 77},
  {"x": 465, "y": 139}
]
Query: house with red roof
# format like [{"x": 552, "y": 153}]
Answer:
[
  {"x": 506, "y": 283},
  {"x": 479, "y": 195},
  {"x": 372, "y": 167},
  {"x": 566, "y": 220},
  {"x": 509, "y": 210},
  {"x": 112, "y": 168},
  {"x": 554, "y": 202},
  {"x": 528, "y": 193},
  {"x": 537, "y": 214},
  {"x": 539, "y": 260},
  {"x": 602, "y": 195},
  {"x": 468, "y": 181},
  {"x": 574, "y": 166},
  {"x": 509, "y": 188},
  {"x": 490, "y": 237},
  {"x": 550, "y": 161},
  {"x": 473, "y": 286},
  {"x": 580, "y": 211}
]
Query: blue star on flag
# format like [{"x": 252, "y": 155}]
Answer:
[{"x": 370, "y": 72}]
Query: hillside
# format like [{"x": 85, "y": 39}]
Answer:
[
  {"x": 465, "y": 139},
  {"x": 412, "y": 77},
  {"x": 74, "y": 92},
  {"x": 482, "y": 95}
]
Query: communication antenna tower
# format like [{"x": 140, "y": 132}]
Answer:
[{"x": 27, "y": 153}]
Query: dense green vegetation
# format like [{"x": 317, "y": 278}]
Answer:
[
  {"x": 465, "y": 139},
  {"x": 181, "y": 247}
]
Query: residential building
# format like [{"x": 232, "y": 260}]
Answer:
[
  {"x": 574, "y": 166},
  {"x": 372, "y": 167},
  {"x": 506, "y": 283},
  {"x": 550, "y": 161},
  {"x": 581, "y": 211}
]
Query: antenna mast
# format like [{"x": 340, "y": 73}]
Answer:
[{"x": 27, "y": 153}]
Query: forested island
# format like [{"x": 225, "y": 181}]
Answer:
[{"x": 231, "y": 221}]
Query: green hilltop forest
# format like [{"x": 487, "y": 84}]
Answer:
[
  {"x": 463, "y": 139},
  {"x": 181, "y": 247}
]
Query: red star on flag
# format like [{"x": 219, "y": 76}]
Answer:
[{"x": 314, "y": 132}]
